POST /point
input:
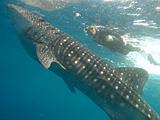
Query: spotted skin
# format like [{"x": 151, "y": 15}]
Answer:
[{"x": 117, "y": 91}]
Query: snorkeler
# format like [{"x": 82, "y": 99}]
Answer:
[{"x": 111, "y": 39}]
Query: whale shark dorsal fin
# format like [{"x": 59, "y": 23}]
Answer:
[
  {"x": 45, "y": 55},
  {"x": 133, "y": 77}
]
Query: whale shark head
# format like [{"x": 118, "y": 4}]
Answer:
[{"x": 27, "y": 23}]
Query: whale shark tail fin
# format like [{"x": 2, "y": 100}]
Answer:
[{"x": 133, "y": 77}]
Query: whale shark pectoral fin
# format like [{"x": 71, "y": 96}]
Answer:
[
  {"x": 134, "y": 77},
  {"x": 45, "y": 55}
]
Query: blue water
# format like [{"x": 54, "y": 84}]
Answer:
[{"x": 30, "y": 92}]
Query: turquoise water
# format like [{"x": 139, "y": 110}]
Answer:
[{"x": 30, "y": 92}]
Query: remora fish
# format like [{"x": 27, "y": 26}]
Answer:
[{"x": 115, "y": 90}]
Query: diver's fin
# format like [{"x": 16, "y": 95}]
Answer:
[
  {"x": 133, "y": 77},
  {"x": 45, "y": 55}
]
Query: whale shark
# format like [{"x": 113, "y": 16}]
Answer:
[{"x": 117, "y": 91}]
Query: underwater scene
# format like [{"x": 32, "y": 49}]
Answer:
[{"x": 80, "y": 60}]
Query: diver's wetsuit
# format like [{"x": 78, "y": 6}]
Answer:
[{"x": 116, "y": 44}]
